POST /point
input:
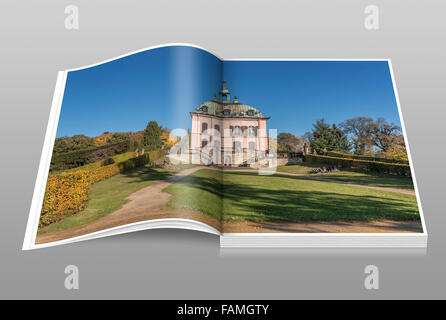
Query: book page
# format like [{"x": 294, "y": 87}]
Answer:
[
  {"x": 321, "y": 148},
  {"x": 120, "y": 154}
]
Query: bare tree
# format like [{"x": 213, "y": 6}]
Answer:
[{"x": 360, "y": 130}]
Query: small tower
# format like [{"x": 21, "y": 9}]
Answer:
[{"x": 224, "y": 93}]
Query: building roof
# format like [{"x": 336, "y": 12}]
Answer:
[{"x": 225, "y": 108}]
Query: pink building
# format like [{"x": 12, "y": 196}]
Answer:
[{"x": 231, "y": 133}]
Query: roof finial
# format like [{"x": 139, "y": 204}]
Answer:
[{"x": 224, "y": 94}]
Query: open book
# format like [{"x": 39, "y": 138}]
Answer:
[{"x": 262, "y": 153}]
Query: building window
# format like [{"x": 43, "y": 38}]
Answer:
[
  {"x": 204, "y": 143},
  {"x": 251, "y": 146},
  {"x": 237, "y": 146},
  {"x": 217, "y": 128},
  {"x": 226, "y": 112},
  {"x": 251, "y": 132},
  {"x": 204, "y": 127},
  {"x": 204, "y": 108},
  {"x": 250, "y": 113}
]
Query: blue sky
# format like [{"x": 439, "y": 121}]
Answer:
[{"x": 166, "y": 84}]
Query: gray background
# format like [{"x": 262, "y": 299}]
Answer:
[{"x": 182, "y": 264}]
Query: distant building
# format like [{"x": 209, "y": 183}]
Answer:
[{"x": 235, "y": 132}]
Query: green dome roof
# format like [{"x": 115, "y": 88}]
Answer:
[
  {"x": 229, "y": 110},
  {"x": 224, "y": 108}
]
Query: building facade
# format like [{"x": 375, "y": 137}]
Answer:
[{"x": 228, "y": 132}]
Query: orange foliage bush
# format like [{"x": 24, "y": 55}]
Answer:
[{"x": 67, "y": 193}]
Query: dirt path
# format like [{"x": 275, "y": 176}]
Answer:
[
  {"x": 144, "y": 204},
  {"x": 306, "y": 176}
]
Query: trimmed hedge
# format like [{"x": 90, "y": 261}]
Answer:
[
  {"x": 95, "y": 165},
  {"x": 354, "y": 156},
  {"x": 67, "y": 193},
  {"x": 107, "y": 162},
  {"x": 376, "y": 166},
  {"x": 73, "y": 159}
]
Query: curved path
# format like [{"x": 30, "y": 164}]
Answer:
[{"x": 145, "y": 204}]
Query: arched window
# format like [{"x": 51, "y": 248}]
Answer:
[{"x": 204, "y": 127}]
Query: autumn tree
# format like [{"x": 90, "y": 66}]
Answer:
[
  {"x": 385, "y": 135},
  {"x": 397, "y": 150},
  {"x": 136, "y": 140},
  {"x": 102, "y": 139},
  {"x": 168, "y": 140},
  {"x": 369, "y": 136},
  {"x": 287, "y": 142}
]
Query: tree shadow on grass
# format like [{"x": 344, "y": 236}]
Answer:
[
  {"x": 255, "y": 201},
  {"x": 147, "y": 174},
  {"x": 371, "y": 178}
]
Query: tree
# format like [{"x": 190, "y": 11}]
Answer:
[
  {"x": 168, "y": 140},
  {"x": 368, "y": 136},
  {"x": 329, "y": 138},
  {"x": 118, "y": 137},
  {"x": 360, "y": 130},
  {"x": 397, "y": 150},
  {"x": 102, "y": 139},
  {"x": 385, "y": 135},
  {"x": 136, "y": 140},
  {"x": 74, "y": 143},
  {"x": 152, "y": 136},
  {"x": 287, "y": 142}
]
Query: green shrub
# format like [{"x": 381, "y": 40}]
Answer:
[
  {"x": 358, "y": 157},
  {"x": 107, "y": 162},
  {"x": 375, "y": 166}
]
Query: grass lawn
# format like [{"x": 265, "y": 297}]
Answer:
[
  {"x": 353, "y": 176},
  {"x": 200, "y": 191},
  {"x": 250, "y": 197},
  {"x": 109, "y": 195}
]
